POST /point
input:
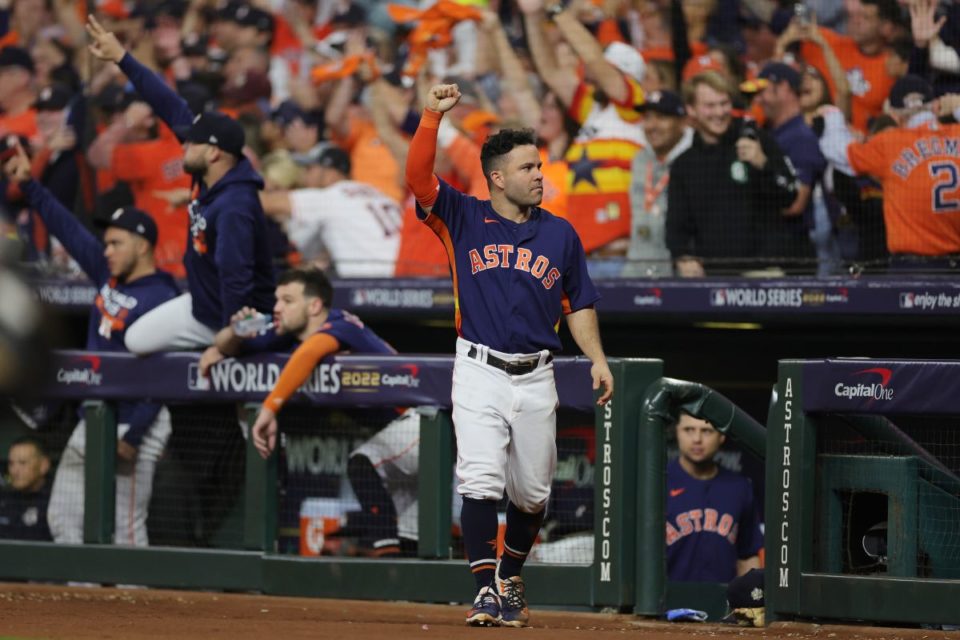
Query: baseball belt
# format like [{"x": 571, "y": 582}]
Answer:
[{"x": 511, "y": 368}]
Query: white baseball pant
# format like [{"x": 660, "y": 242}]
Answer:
[
  {"x": 394, "y": 452},
  {"x": 134, "y": 486},
  {"x": 506, "y": 428},
  {"x": 168, "y": 327}
]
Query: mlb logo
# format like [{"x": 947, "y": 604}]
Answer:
[
  {"x": 906, "y": 300},
  {"x": 718, "y": 298},
  {"x": 195, "y": 381}
]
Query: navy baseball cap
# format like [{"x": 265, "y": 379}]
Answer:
[
  {"x": 667, "y": 103},
  {"x": 135, "y": 221},
  {"x": 909, "y": 92},
  {"x": 775, "y": 72},
  {"x": 325, "y": 155},
  {"x": 746, "y": 591},
  {"x": 53, "y": 98},
  {"x": 16, "y": 57},
  {"x": 217, "y": 129}
]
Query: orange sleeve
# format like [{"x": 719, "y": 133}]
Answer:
[
  {"x": 421, "y": 157},
  {"x": 303, "y": 361},
  {"x": 465, "y": 156}
]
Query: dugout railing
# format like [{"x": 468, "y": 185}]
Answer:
[
  {"x": 863, "y": 491},
  {"x": 661, "y": 403},
  {"x": 99, "y": 379}
]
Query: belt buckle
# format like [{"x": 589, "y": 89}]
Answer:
[{"x": 521, "y": 368}]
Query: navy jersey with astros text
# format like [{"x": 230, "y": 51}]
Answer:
[
  {"x": 710, "y": 525},
  {"x": 511, "y": 282}
]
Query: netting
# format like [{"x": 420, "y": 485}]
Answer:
[{"x": 888, "y": 495}]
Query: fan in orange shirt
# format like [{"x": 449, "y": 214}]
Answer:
[
  {"x": 350, "y": 126},
  {"x": 141, "y": 151},
  {"x": 598, "y": 179},
  {"x": 861, "y": 54},
  {"x": 917, "y": 165}
]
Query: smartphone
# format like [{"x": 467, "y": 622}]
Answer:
[{"x": 801, "y": 13}]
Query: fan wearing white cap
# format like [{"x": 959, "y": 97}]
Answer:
[
  {"x": 604, "y": 103},
  {"x": 916, "y": 163}
]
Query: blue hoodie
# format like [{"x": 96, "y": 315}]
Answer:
[
  {"x": 117, "y": 305},
  {"x": 228, "y": 252}
]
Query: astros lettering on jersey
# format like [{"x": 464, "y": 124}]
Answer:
[
  {"x": 491, "y": 258},
  {"x": 710, "y": 525}
]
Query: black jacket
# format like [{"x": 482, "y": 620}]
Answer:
[{"x": 719, "y": 207}]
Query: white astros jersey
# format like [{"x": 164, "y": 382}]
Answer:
[{"x": 357, "y": 225}]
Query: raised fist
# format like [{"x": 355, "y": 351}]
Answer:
[{"x": 443, "y": 97}]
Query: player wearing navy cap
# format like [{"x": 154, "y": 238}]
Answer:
[
  {"x": 713, "y": 528},
  {"x": 228, "y": 259},
  {"x": 516, "y": 270},
  {"x": 129, "y": 285}
]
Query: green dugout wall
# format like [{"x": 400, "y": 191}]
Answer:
[
  {"x": 608, "y": 582},
  {"x": 909, "y": 470}
]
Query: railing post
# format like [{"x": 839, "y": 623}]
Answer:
[
  {"x": 615, "y": 473},
  {"x": 435, "y": 494},
  {"x": 99, "y": 472},
  {"x": 260, "y": 492}
]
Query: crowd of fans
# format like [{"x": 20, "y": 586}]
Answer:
[{"x": 728, "y": 95}]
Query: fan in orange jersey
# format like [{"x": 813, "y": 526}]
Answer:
[
  {"x": 862, "y": 55},
  {"x": 603, "y": 102},
  {"x": 918, "y": 165}
]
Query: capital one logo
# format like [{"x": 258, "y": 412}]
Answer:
[
  {"x": 83, "y": 370},
  {"x": 875, "y": 385}
]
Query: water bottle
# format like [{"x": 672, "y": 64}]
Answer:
[{"x": 253, "y": 325}]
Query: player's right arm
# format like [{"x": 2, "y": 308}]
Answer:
[
  {"x": 423, "y": 148},
  {"x": 301, "y": 364},
  {"x": 171, "y": 108},
  {"x": 303, "y": 361},
  {"x": 76, "y": 239}
]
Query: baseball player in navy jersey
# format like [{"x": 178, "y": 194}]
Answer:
[
  {"x": 516, "y": 270},
  {"x": 713, "y": 528},
  {"x": 382, "y": 470},
  {"x": 129, "y": 285},
  {"x": 228, "y": 259}
]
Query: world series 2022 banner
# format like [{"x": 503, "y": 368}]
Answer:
[
  {"x": 882, "y": 386},
  {"x": 342, "y": 381}
]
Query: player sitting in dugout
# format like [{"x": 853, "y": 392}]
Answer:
[
  {"x": 713, "y": 527},
  {"x": 381, "y": 469}
]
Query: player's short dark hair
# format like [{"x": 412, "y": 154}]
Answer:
[
  {"x": 315, "y": 283},
  {"x": 502, "y": 143},
  {"x": 32, "y": 441},
  {"x": 886, "y": 9},
  {"x": 683, "y": 412}
]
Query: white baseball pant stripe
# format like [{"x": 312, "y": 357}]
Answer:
[
  {"x": 168, "y": 327},
  {"x": 506, "y": 428},
  {"x": 134, "y": 486}
]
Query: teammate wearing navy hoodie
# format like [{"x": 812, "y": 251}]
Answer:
[
  {"x": 228, "y": 257},
  {"x": 129, "y": 285}
]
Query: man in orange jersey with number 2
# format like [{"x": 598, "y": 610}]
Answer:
[{"x": 918, "y": 165}]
